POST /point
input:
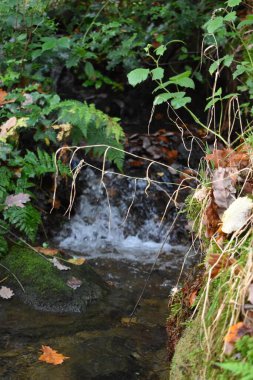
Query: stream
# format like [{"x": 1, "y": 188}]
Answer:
[{"x": 116, "y": 227}]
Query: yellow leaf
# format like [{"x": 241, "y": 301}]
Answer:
[{"x": 77, "y": 260}]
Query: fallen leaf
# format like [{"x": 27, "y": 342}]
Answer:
[
  {"x": 237, "y": 215},
  {"x": 6, "y": 293},
  {"x": 77, "y": 260},
  {"x": 250, "y": 294},
  {"x": 128, "y": 320},
  {"x": 3, "y": 100},
  {"x": 51, "y": 356},
  {"x": 47, "y": 251},
  {"x": 234, "y": 333},
  {"x": 74, "y": 283},
  {"x": 193, "y": 297},
  {"x": 58, "y": 265},
  {"x": 229, "y": 158},
  {"x": 223, "y": 184},
  {"x": 201, "y": 194},
  {"x": 17, "y": 200},
  {"x": 220, "y": 262},
  {"x": 4, "y": 129},
  {"x": 211, "y": 218}
]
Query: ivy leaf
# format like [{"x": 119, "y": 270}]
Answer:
[
  {"x": 137, "y": 76},
  {"x": 233, "y": 3},
  {"x": 157, "y": 73},
  {"x": 214, "y": 24}
]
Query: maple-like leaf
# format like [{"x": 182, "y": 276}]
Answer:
[
  {"x": 237, "y": 215},
  {"x": 17, "y": 200},
  {"x": 51, "y": 356},
  {"x": 6, "y": 293},
  {"x": 58, "y": 265},
  {"x": 74, "y": 283},
  {"x": 47, "y": 251}
]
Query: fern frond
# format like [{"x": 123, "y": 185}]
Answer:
[{"x": 25, "y": 219}]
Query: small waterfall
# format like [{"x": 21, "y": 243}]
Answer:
[{"x": 117, "y": 220}]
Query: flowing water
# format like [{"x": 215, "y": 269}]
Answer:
[{"x": 117, "y": 228}]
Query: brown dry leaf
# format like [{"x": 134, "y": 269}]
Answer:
[
  {"x": 211, "y": 218},
  {"x": 193, "y": 297},
  {"x": 6, "y": 293},
  {"x": 223, "y": 183},
  {"x": 229, "y": 158},
  {"x": 17, "y": 200},
  {"x": 128, "y": 320},
  {"x": 58, "y": 265},
  {"x": 51, "y": 356},
  {"x": 250, "y": 294},
  {"x": 3, "y": 95},
  {"x": 74, "y": 283},
  {"x": 47, "y": 251},
  {"x": 219, "y": 263},
  {"x": 77, "y": 260}
]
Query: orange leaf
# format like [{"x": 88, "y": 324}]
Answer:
[
  {"x": 51, "y": 356},
  {"x": 3, "y": 95},
  {"x": 219, "y": 262},
  {"x": 47, "y": 251},
  {"x": 236, "y": 331},
  {"x": 192, "y": 297}
]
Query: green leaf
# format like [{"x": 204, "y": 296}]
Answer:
[
  {"x": 137, "y": 76},
  {"x": 157, "y": 73},
  {"x": 3, "y": 246},
  {"x": 211, "y": 103},
  {"x": 233, "y": 3},
  {"x": 214, "y": 24},
  {"x": 248, "y": 21},
  {"x": 162, "y": 98},
  {"x": 214, "y": 66},
  {"x": 240, "y": 69},
  {"x": 160, "y": 50},
  {"x": 231, "y": 16},
  {"x": 89, "y": 70},
  {"x": 227, "y": 60},
  {"x": 180, "y": 102}
]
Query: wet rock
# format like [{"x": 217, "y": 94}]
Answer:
[{"x": 45, "y": 286}]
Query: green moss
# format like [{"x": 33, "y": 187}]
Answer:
[
  {"x": 33, "y": 270},
  {"x": 186, "y": 361}
]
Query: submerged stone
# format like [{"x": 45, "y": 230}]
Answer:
[{"x": 45, "y": 286}]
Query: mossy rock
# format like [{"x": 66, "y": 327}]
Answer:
[
  {"x": 186, "y": 362},
  {"x": 46, "y": 287}
]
